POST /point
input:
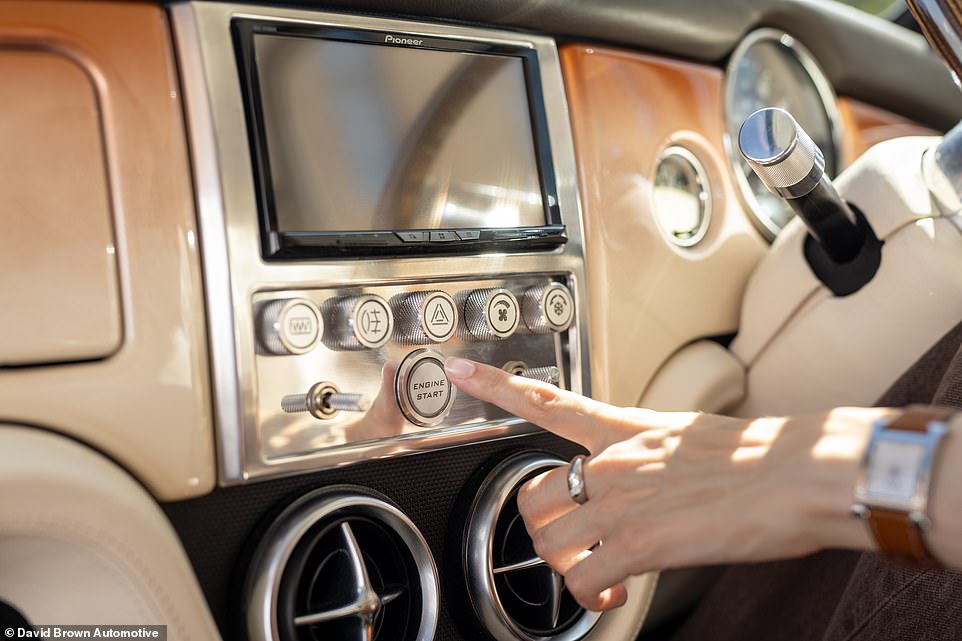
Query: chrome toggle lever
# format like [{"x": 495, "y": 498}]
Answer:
[
  {"x": 548, "y": 374},
  {"x": 324, "y": 401}
]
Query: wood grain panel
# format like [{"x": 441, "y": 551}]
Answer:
[
  {"x": 865, "y": 125},
  {"x": 648, "y": 297},
  {"x": 148, "y": 405}
]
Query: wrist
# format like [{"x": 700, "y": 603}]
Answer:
[{"x": 832, "y": 467}]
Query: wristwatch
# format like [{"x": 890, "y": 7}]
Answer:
[{"x": 892, "y": 488}]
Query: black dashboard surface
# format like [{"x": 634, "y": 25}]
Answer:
[{"x": 865, "y": 57}]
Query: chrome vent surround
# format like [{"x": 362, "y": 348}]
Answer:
[
  {"x": 342, "y": 563},
  {"x": 517, "y": 596}
]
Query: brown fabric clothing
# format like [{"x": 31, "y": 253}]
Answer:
[{"x": 840, "y": 595}]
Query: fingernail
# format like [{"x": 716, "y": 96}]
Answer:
[{"x": 458, "y": 368}]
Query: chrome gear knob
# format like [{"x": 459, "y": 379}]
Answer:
[
  {"x": 791, "y": 165},
  {"x": 785, "y": 158}
]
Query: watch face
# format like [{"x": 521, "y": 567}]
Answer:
[{"x": 894, "y": 469}]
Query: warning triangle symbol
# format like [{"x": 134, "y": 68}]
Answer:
[{"x": 439, "y": 317}]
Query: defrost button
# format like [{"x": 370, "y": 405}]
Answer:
[
  {"x": 422, "y": 389},
  {"x": 289, "y": 326}
]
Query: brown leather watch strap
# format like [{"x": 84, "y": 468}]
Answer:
[
  {"x": 900, "y": 539},
  {"x": 896, "y": 534},
  {"x": 916, "y": 418}
]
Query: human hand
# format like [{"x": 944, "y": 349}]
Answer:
[{"x": 678, "y": 489}]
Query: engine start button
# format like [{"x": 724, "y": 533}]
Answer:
[{"x": 422, "y": 389}]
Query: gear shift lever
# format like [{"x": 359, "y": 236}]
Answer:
[
  {"x": 791, "y": 165},
  {"x": 842, "y": 249}
]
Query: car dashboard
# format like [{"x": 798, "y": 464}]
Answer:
[{"x": 245, "y": 237}]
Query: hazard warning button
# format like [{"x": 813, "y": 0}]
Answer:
[{"x": 426, "y": 317}]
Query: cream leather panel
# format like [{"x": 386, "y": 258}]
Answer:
[
  {"x": 60, "y": 290},
  {"x": 82, "y": 543},
  {"x": 148, "y": 404},
  {"x": 808, "y": 350},
  {"x": 703, "y": 376}
]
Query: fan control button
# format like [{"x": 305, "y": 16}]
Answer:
[{"x": 491, "y": 314}]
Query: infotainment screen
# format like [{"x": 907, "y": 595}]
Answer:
[{"x": 404, "y": 136}]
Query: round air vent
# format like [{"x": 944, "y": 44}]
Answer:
[
  {"x": 516, "y": 595},
  {"x": 342, "y": 563}
]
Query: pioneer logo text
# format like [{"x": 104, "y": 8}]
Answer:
[{"x": 403, "y": 41}]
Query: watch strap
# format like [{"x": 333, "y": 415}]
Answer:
[
  {"x": 897, "y": 535},
  {"x": 916, "y": 418},
  {"x": 900, "y": 538}
]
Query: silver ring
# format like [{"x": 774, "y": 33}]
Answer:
[{"x": 576, "y": 480}]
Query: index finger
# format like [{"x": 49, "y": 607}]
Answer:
[{"x": 569, "y": 415}]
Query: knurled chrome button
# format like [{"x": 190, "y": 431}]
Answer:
[
  {"x": 548, "y": 308},
  {"x": 358, "y": 322},
  {"x": 422, "y": 389},
  {"x": 289, "y": 326},
  {"x": 426, "y": 317},
  {"x": 491, "y": 314}
]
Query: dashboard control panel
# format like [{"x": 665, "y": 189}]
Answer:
[
  {"x": 336, "y": 367},
  {"x": 331, "y": 306}
]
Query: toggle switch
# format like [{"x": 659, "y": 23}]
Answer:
[
  {"x": 547, "y": 374},
  {"x": 324, "y": 401}
]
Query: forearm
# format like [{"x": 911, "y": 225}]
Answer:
[{"x": 817, "y": 459}]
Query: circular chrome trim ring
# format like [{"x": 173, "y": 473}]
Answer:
[
  {"x": 478, "y": 547},
  {"x": 269, "y": 562},
  {"x": 704, "y": 195},
  {"x": 825, "y": 93}
]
